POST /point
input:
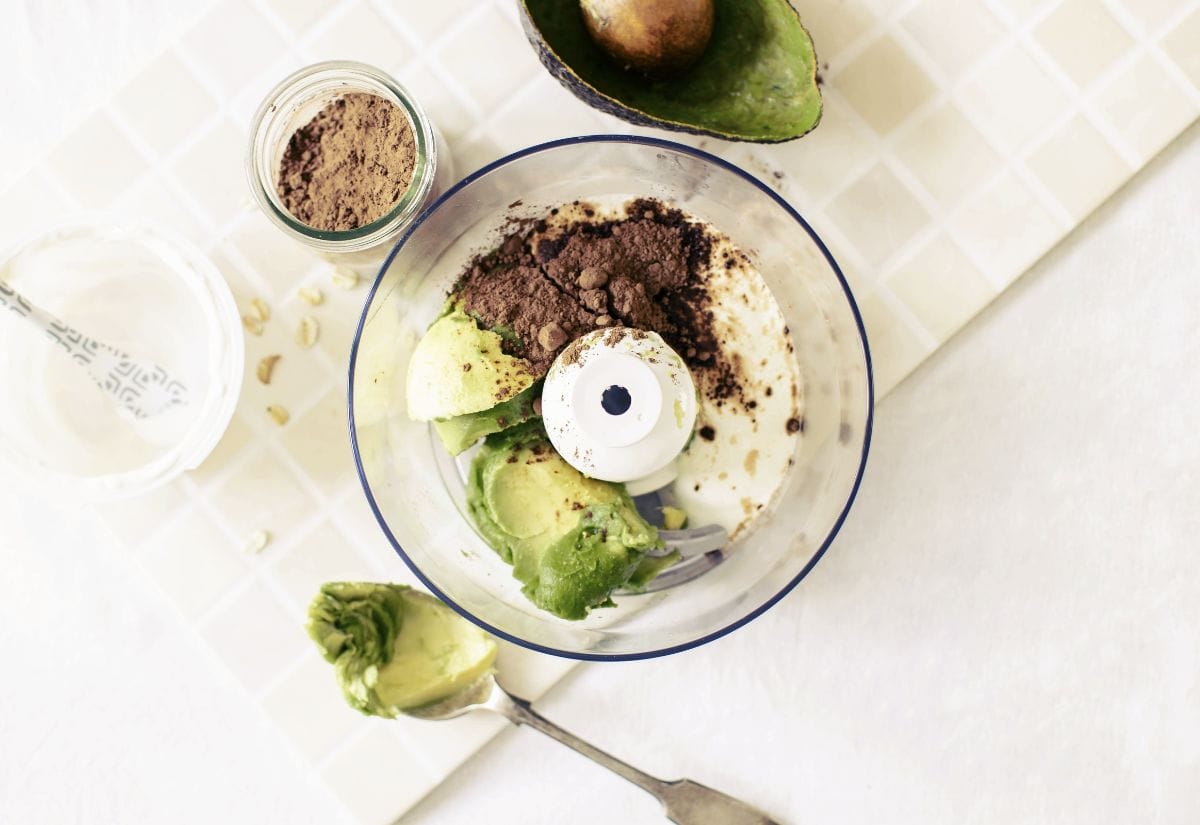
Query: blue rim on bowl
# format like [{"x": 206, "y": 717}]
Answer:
[{"x": 853, "y": 307}]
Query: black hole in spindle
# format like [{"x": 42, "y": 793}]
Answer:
[{"x": 615, "y": 400}]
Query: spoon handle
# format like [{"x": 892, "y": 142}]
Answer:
[
  {"x": 142, "y": 387},
  {"x": 685, "y": 802},
  {"x": 74, "y": 343},
  {"x": 12, "y": 300},
  {"x": 519, "y": 712}
]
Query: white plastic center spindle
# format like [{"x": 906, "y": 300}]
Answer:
[
  {"x": 619, "y": 405},
  {"x": 616, "y": 399}
]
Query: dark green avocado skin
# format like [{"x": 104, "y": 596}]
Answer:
[{"x": 756, "y": 81}]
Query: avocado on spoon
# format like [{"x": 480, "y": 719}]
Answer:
[{"x": 399, "y": 651}]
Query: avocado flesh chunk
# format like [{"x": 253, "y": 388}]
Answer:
[
  {"x": 395, "y": 648},
  {"x": 571, "y": 540},
  {"x": 757, "y": 80},
  {"x": 462, "y": 431},
  {"x": 458, "y": 368}
]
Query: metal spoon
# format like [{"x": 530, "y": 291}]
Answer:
[
  {"x": 140, "y": 386},
  {"x": 684, "y": 801}
]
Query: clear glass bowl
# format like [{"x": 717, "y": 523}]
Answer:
[
  {"x": 419, "y": 502},
  {"x": 138, "y": 287}
]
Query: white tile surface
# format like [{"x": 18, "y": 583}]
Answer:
[
  {"x": 194, "y": 562},
  {"x": 884, "y": 106},
  {"x": 255, "y": 635},
  {"x": 1014, "y": 98},
  {"x": 166, "y": 103},
  {"x": 96, "y": 162},
  {"x": 1006, "y": 229},
  {"x": 1145, "y": 106},
  {"x": 949, "y": 156},
  {"x": 211, "y": 170},
  {"x": 1179, "y": 43},
  {"x": 941, "y": 286},
  {"x": 233, "y": 43},
  {"x": 378, "y": 774},
  {"x": 323, "y": 555},
  {"x": 308, "y": 703},
  {"x": 361, "y": 33},
  {"x": 1083, "y": 38},
  {"x": 1078, "y": 166},
  {"x": 933, "y": 193},
  {"x": 976, "y": 31},
  {"x": 878, "y": 214}
]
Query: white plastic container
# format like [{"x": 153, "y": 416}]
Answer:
[{"x": 133, "y": 286}]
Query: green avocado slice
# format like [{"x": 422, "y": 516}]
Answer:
[
  {"x": 756, "y": 81},
  {"x": 572, "y": 540},
  {"x": 457, "y": 368},
  {"x": 462, "y": 431}
]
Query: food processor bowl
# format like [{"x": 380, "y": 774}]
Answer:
[{"x": 416, "y": 489}]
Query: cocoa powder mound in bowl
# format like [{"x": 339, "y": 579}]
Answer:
[{"x": 644, "y": 270}]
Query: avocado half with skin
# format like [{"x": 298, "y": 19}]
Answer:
[{"x": 756, "y": 81}]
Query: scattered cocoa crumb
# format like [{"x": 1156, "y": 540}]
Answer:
[
  {"x": 707, "y": 433},
  {"x": 467, "y": 366},
  {"x": 551, "y": 336},
  {"x": 793, "y": 426},
  {"x": 592, "y": 277}
]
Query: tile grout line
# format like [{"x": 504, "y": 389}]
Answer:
[{"x": 1155, "y": 48}]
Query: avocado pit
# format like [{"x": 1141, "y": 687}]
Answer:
[{"x": 658, "y": 37}]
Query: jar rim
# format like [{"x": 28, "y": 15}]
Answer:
[{"x": 300, "y": 86}]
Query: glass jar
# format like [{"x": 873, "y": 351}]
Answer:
[{"x": 295, "y": 102}]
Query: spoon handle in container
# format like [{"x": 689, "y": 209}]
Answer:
[
  {"x": 142, "y": 387},
  {"x": 685, "y": 802}
]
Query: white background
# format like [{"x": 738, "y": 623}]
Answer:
[{"x": 1007, "y": 629}]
